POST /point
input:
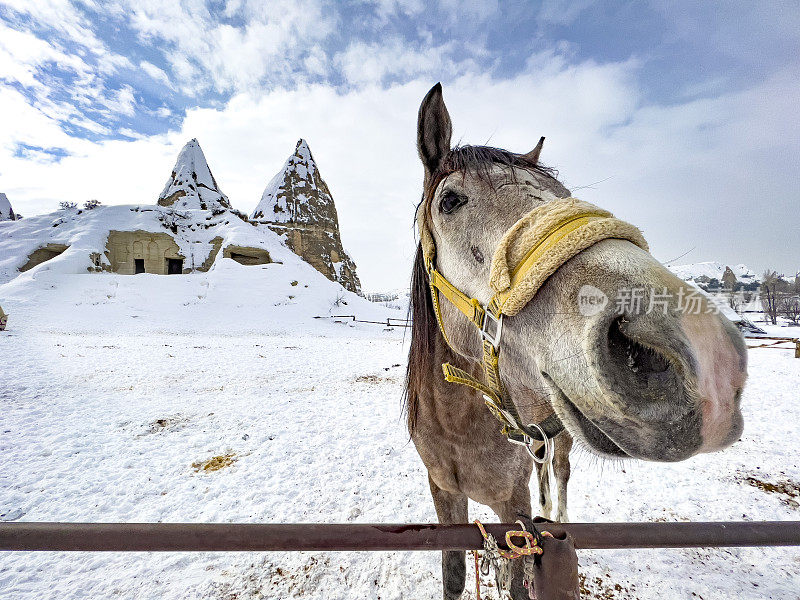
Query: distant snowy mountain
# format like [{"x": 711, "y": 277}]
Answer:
[
  {"x": 191, "y": 185},
  {"x": 712, "y": 270},
  {"x": 298, "y": 205},
  {"x": 6, "y": 212}
]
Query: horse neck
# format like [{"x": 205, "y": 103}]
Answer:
[{"x": 428, "y": 351}]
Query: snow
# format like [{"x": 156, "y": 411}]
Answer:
[
  {"x": 192, "y": 176},
  {"x": 272, "y": 202},
  {"x": 783, "y": 329},
  {"x": 86, "y": 231},
  {"x": 6, "y": 212},
  {"x": 114, "y": 386},
  {"x": 304, "y": 152},
  {"x": 712, "y": 270},
  {"x": 720, "y": 302},
  {"x": 252, "y": 292}
]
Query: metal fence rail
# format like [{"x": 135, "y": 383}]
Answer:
[
  {"x": 775, "y": 343},
  {"x": 208, "y": 537},
  {"x": 389, "y": 322}
]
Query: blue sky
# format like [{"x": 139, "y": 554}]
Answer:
[{"x": 680, "y": 116}]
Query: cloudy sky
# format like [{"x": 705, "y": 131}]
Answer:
[{"x": 681, "y": 117}]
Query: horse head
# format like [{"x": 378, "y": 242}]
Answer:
[{"x": 633, "y": 361}]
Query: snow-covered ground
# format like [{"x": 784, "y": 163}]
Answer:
[{"x": 115, "y": 389}]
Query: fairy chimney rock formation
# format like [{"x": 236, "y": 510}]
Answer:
[
  {"x": 729, "y": 278},
  {"x": 191, "y": 185},
  {"x": 298, "y": 205},
  {"x": 6, "y": 212}
]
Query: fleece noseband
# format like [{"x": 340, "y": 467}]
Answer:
[{"x": 529, "y": 252}]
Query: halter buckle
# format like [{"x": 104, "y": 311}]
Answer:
[
  {"x": 492, "y": 328},
  {"x": 528, "y": 442}
]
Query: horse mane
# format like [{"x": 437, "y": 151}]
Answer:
[{"x": 425, "y": 334}]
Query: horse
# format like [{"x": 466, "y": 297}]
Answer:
[{"x": 657, "y": 384}]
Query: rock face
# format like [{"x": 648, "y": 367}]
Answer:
[
  {"x": 42, "y": 255},
  {"x": 133, "y": 252},
  {"x": 6, "y": 212},
  {"x": 729, "y": 278},
  {"x": 191, "y": 185},
  {"x": 298, "y": 205}
]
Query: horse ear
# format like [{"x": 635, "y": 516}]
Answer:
[
  {"x": 434, "y": 130},
  {"x": 533, "y": 156}
]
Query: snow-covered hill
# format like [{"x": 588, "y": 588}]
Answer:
[
  {"x": 85, "y": 232},
  {"x": 712, "y": 270},
  {"x": 278, "y": 296}
]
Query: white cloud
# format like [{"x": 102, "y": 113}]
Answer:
[
  {"x": 316, "y": 63},
  {"x": 63, "y": 17},
  {"x": 22, "y": 54},
  {"x": 374, "y": 63},
  {"x": 207, "y": 54},
  {"x": 114, "y": 170},
  {"x": 121, "y": 101},
  {"x": 27, "y": 59},
  {"x": 155, "y": 73},
  {"x": 29, "y": 126}
]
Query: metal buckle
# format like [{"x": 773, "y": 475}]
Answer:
[
  {"x": 492, "y": 328},
  {"x": 510, "y": 418},
  {"x": 528, "y": 442}
]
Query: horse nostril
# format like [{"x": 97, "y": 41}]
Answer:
[{"x": 638, "y": 358}]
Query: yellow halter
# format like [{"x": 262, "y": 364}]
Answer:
[{"x": 529, "y": 252}]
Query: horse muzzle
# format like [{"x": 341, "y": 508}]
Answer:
[{"x": 661, "y": 387}]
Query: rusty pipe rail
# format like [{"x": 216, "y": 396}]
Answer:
[{"x": 226, "y": 537}]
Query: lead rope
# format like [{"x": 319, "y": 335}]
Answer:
[
  {"x": 477, "y": 575},
  {"x": 499, "y": 559}
]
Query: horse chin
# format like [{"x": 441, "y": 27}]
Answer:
[{"x": 580, "y": 427}]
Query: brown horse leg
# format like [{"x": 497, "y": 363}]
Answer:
[
  {"x": 451, "y": 508},
  {"x": 520, "y": 503},
  {"x": 561, "y": 468}
]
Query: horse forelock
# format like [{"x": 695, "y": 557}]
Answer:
[{"x": 478, "y": 161}]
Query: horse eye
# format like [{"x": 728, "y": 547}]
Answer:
[{"x": 451, "y": 202}]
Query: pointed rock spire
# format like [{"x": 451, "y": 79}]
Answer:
[
  {"x": 729, "y": 278},
  {"x": 191, "y": 185},
  {"x": 298, "y": 194},
  {"x": 298, "y": 204},
  {"x": 6, "y": 212}
]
